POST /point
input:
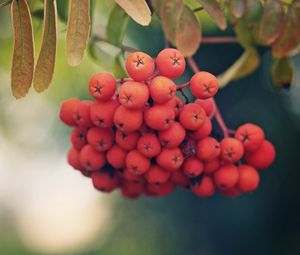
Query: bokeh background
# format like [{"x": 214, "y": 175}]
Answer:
[{"x": 46, "y": 207}]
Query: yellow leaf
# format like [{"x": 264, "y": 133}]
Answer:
[
  {"x": 138, "y": 10},
  {"x": 45, "y": 65},
  {"x": 23, "y": 53},
  {"x": 78, "y": 30},
  {"x": 188, "y": 33}
]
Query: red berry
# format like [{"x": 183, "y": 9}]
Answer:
[
  {"x": 157, "y": 175},
  {"x": 226, "y": 176},
  {"x": 263, "y": 157},
  {"x": 101, "y": 139},
  {"x": 176, "y": 104},
  {"x": 205, "y": 188},
  {"x": 102, "y": 113},
  {"x": 82, "y": 114},
  {"x": 73, "y": 159},
  {"x": 170, "y": 63},
  {"x": 149, "y": 145},
  {"x": 208, "y": 105},
  {"x": 203, "y": 131},
  {"x": 127, "y": 140},
  {"x": 211, "y": 166},
  {"x": 105, "y": 181},
  {"x": 140, "y": 66},
  {"x": 248, "y": 178},
  {"x": 133, "y": 95},
  {"x": 132, "y": 190},
  {"x": 173, "y": 136},
  {"x": 159, "y": 117},
  {"x": 192, "y": 167},
  {"x": 128, "y": 120},
  {"x": 232, "y": 150},
  {"x": 180, "y": 179},
  {"x": 68, "y": 110},
  {"x": 208, "y": 149},
  {"x": 116, "y": 156},
  {"x": 170, "y": 159},
  {"x": 129, "y": 176},
  {"x": 252, "y": 136},
  {"x": 230, "y": 192},
  {"x": 204, "y": 85},
  {"x": 78, "y": 138},
  {"x": 162, "y": 89},
  {"x": 192, "y": 116},
  {"x": 137, "y": 163},
  {"x": 163, "y": 189},
  {"x": 102, "y": 86},
  {"x": 91, "y": 159}
]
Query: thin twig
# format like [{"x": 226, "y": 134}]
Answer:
[
  {"x": 184, "y": 96},
  {"x": 198, "y": 9},
  {"x": 215, "y": 40},
  {"x": 181, "y": 86}
]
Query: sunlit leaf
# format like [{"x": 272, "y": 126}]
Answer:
[
  {"x": 238, "y": 8},
  {"x": 282, "y": 73},
  {"x": 188, "y": 34},
  {"x": 215, "y": 12},
  {"x": 23, "y": 53},
  {"x": 138, "y": 10},
  {"x": 245, "y": 65},
  {"x": 254, "y": 10},
  {"x": 272, "y": 20},
  {"x": 170, "y": 14},
  {"x": 117, "y": 25},
  {"x": 118, "y": 68},
  {"x": 62, "y": 9},
  {"x": 78, "y": 30},
  {"x": 45, "y": 65},
  {"x": 289, "y": 38}
]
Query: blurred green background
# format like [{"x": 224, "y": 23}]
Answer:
[{"x": 48, "y": 208}]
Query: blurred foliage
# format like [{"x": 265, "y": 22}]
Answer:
[{"x": 269, "y": 23}]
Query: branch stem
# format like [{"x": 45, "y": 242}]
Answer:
[{"x": 216, "y": 40}]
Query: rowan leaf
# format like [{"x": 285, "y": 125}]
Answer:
[
  {"x": 156, "y": 4},
  {"x": 23, "y": 53},
  {"x": 213, "y": 8},
  {"x": 270, "y": 26},
  {"x": 78, "y": 30},
  {"x": 281, "y": 73},
  {"x": 238, "y": 8},
  {"x": 243, "y": 66},
  {"x": 289, "y": 38},
  {"x": 118, "y": 68},
  {"x": 45, "y": 65},
  {"x": 243, "y": 32},
  {"x": 117, "y": 25},
  {"x": 138, "y": 10},
  {"x": 170, "y": 14},
  {"x": 188, "y": 35},
  {"x": 254, "y": 10}
]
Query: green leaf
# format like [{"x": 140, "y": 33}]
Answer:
[
  {"x": 238, "y": 8},
  {"x": 243, "y": 32},
  {"x": 188, "y": 35},
  {"x": 245, "y": 65},
  {"x": 117, "y": 25},
  {"x": 156, "y": 4},
  {"x": 254, "y": 10},
  {"x": 23, "y": 53},
  {"x": 45, "y": 65},
  {"x": 62, "y": 10},
  {"x": 282, "y": 73},
  {"x": 215, "y": 12},
  {"x": 289, "y": 39},
  {"x": 138, "y": 10},
  {"x": 118, "y": 68},
  {"x": 170, "y": 15}
]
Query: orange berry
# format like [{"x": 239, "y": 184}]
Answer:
[
  {"x": 170, "y": 159},
  {"x": 82, "y": 114},
  {"x": 68, "y": 110},
  {"x": 248, "y": 178},
  {"x": 73, "y": 159},
  {"x": 91, "y": 159},
  {"x": 173, "y": 136},
  {"x": 203, "y": 131},
  {"x": 157, "y": 175},
  {"x": 176, "y": 104},
  {"x": 105, "y": 181},
  {"x": 127, "y": 140},
  {"x": 192, "y": 116},
  {"x": 116, "y": 156},
  {"x": 205, "y": 188},
  {"x": 128, "y": 120},
  {"x": 101, "y": 139},
  {"x": 137, "y": 163},
  {"x": 102, "y": 86},
  {"x": 232, "y": 149},
  {"x": 226, "y": 176},
  {"x": 208, "y": 148},
  {"x": 149, "y": 145},
  {"x": 162, "y": 89},
  {"x": 204, "y": 85},
  {"x": 78, "y": 138},
  {"x": 133, "y": 95},
  {"x": 192, "y": 167}
]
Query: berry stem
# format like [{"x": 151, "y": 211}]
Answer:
[
  {"x": 181, "y": 86},
  {"x": 184, "y": 95},
  {"x": 216, "y": 114},
  {"x": 215, "y": 40}
]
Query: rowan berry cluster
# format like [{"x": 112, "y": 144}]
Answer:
[{"x": 142, "y": 138}]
